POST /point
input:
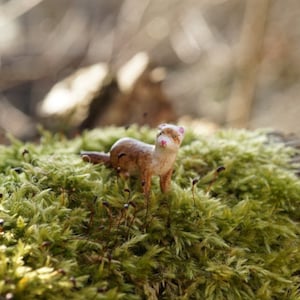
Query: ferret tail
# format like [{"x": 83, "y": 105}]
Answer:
[{"x": 95, "y": 157}]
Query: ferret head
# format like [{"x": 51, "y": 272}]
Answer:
[{"x": 169, "y": 137}]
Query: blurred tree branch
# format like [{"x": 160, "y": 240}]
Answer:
[
  {"x": 248, "y": 62},
  {"x": 14, "y": 9}
]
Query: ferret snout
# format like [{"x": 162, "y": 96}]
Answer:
[
  {"x": 163, "y": 143},
  {"x": 167, "y": 142}
]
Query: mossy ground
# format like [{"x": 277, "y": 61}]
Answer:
[{"x": 72, "y": 230}]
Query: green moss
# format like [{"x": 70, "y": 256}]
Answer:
[{"x": 75, "y": 230}]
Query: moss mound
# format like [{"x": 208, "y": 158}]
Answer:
[{"x": 73, "y": 230}]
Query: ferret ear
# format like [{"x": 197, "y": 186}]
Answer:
[
  {"x": 161, "y": 126},
  {"x": 181, "y": 130}
]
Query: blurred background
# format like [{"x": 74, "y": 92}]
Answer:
[{"x": 73, "y": 64}]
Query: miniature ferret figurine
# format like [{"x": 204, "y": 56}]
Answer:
[{"x": 131, "y": 157}]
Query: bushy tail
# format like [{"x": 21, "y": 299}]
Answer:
[{"x": 95, "y": 157}]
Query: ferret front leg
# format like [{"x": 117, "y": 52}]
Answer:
[{"x": 165, "y": 181}]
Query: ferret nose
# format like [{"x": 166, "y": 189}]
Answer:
[{"x": 163, "y": 143}]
